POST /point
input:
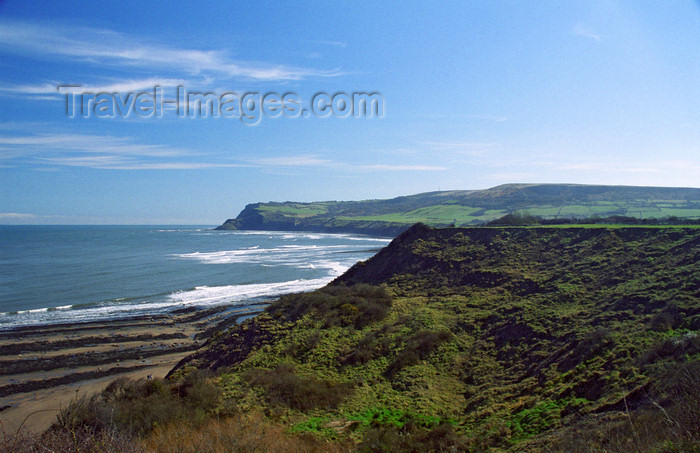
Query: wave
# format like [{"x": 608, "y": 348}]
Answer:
[
  {"x": 291, "y": 254},
  {"x": 211, "y": 295},
  {"x": 182, "y": 230},
  {"x": 303, "y": 261},
  {"x": 367, "y": 238},
  {"x": 303, "y": 235},
  {"x": 201, "y": 296},
  {"x": 336, "y": 268},
  {"x": 36, "y": 310}
]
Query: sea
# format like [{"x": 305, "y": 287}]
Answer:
[{"x": 70, "y": 274}]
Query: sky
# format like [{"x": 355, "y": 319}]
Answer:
[{"x": 468, "y": 95}]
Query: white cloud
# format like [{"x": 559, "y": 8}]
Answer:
[
  {"x": 119, "y": 163},
  {"x": 512, "y": 177},
  {"x": 463, "y": 147},
  {"x": 95, "y": 144},
  {"x": 581, "y": 166},
  {"x": 326, "y": 42},
  {"x": 311, "y": 161},
  {"x": 586, "y": 32},
  {"x": 293, "y": 161},
  {"x": 15, "y": 216},
  {"x": 680, "y": 167},
  {"x": 99, "y": 152},
  {"x": 43, "y": 151},
  {"x": 494, "y": 118},
  {"x": 100, "y": 47},
  {"x": 383, "y": 167},
  {"x": 126, "y": 85}
]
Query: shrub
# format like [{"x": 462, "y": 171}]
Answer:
[
  {"x": 337, "y": 305},
  {"x": 61, "y": 439},
  {"x": 139, "y": 406},
  {"x": 417, "y": 347},
  {"x": 593, "y": 343},
  {"x": 678, "y": 392},
  {"x": 674, "y": 348},
  {"x": 283, "y": 386},
  {"x": 135, "y": 407},
  {"x": 302, "y": 346},
  {"x": 516, "y": 218},
  {"x": 412, "y": 438},
  {"x": 667, "y": 319},
  {"x": 372, "y": 345},
  {"x": 668, "y": 422}
]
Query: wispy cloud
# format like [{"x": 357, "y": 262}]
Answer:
[
  {"x": 100, "y": 47},
  {"x": 24, "y": 218},
  {"x": 463, "y": 147},
  {"x": 681, "y": 166},
  {"x": 56, "y": 90},
  {"x": 293, "y": 161},
  {"x": 94, "y": 144},
  {"x": 486, "y": 117},
  {"x": 581, "y": 166},
  {"x": 388, "y": 167},
  {"x": 400, "y": 151},
  {"x": 99, "y": 152},
  {"x": 327, "y": 42},
  {"x": 312, "y": 161},
  {"x": 120, "y": 163},
  {"x": 15, "y": 216},
  {"x": 586, "y": 32},
  {"x": 51, "y": 151}
]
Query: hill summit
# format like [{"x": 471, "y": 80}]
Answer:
[
  {"x": 553, "y": 339},
  {"x": 468, "y": 207}
]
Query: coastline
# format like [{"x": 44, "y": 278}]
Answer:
[
  {"x": 44, "y": 367},
  {"x": 46, "y": 360}
]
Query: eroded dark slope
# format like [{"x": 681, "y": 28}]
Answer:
[{"x": 509, "y": 335}]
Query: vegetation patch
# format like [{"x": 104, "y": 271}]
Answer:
[
  {"x": 355, "y": 306},
  {"x": 417, "y": 347},
  {"x": 284, "y": 387},
  {"x": 456, "y": 339}
]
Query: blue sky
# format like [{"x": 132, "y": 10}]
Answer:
[{"x": 475, "y": 94}]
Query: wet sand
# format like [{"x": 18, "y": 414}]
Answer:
[{"x": 42, "y": 368}]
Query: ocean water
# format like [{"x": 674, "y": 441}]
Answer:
[{"x": 63, "y": 274}]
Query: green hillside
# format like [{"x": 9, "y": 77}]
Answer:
[
  {"x": 473, "y": 207},
  {"x": 459, "y": 339}
]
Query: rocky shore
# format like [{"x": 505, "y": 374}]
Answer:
[{"x": 43, "y": 367}]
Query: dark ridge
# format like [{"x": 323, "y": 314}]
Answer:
[{"x": 31, "y": 386}]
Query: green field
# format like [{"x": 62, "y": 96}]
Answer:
[
  {"x": 438, "y": 214},
  {"x": 470, "y": 208},
  {"x": 295, "y": 209}
]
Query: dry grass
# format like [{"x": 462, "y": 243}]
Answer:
[
  {"x": 669, "y": 422},
  {"x": 241, "y": 433},
  {"x": 63, "y": 440}
]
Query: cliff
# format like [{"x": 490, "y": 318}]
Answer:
[{"x": 471, "y": 207}]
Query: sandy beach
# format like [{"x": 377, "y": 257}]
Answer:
[{"x": 42, "y": 368}]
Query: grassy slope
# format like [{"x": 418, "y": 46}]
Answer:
[
  {"x": 470, "y": 207},
  {"x": 504, "y": 333}
]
